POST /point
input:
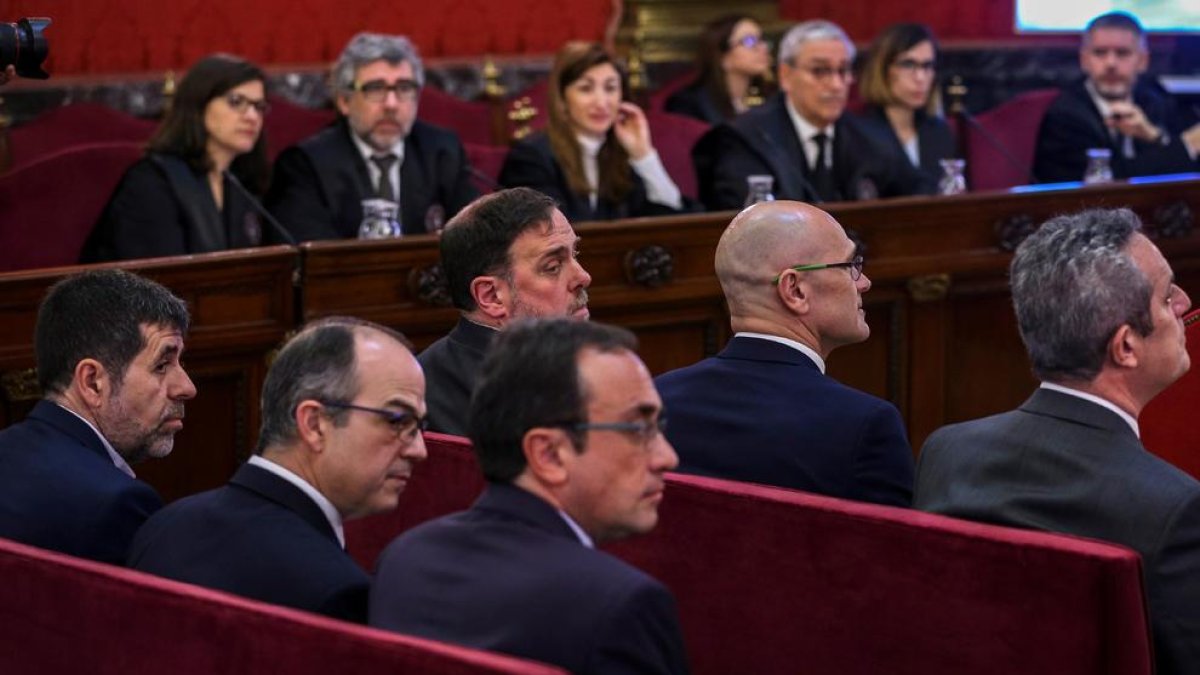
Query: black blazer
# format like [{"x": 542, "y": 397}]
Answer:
[
  {"x": 319, "y": 184},
  {"x": 1063, "y": 464},
  {"x": 530, "y": 163},
  {"x": 804, "y": 430},
  {"x": 452, "y": 366},
  {"x": 695, "y": 101},
  {"x": 763, "y": 141},
  {"x": 60, "y": 490},
  {"x": 259, "y": 537},
  {"x": 161, "y": 207},
  {"x": 935, "y": 142},
  {"x": 510, "y": 576},
  {"x": 1073, "y": 124}
]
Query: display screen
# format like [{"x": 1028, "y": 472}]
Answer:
[{"x": 1164, "y": 16}]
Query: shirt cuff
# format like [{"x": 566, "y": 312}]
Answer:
[{"x": 660, "y": 189}]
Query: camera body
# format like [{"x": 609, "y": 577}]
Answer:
[{"x": 23, "y": 44}]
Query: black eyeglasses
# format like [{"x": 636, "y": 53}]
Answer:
[
  {"x": 241, "y": 104},
  {"x": 825, "y": 73},
  {"x": 643, "y": 430},
  {"x": 913, "y": 66},
  {"x": 405, "y": 424},
  {"x": 855, "y": 265},
  {"x": 376, "y": 91}
]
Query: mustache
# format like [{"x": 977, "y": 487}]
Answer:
[{"x": 581, "y": 300}]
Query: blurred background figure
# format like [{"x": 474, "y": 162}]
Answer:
[
  {"x": 899, "y": 87},
  {"x": 733, "y": 60},
  {"x": 183, "y": 196},
  {"x": 596, "y": 157}
]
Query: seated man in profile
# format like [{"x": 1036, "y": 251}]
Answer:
[
  {"x": 1113, "y": 107},
  {"x": 803, "y": 137},
  {"x": 377, "y": 149},
  {"x": 342, "y": 407},
  {"x": 763, "y": 410},
  {"x": 108, "y": 347},
  {"x": 1101, "y": 317},
  {"x": 508, "y": 255},
  {"x": 566, "y": 425}
]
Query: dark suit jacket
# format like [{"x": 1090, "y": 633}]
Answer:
[
  {"x": 161, "y": 207},
  {"x": 761, "y": 411},
  {"x": 260, "y": 537},
  {"x": 510, "y": 576},
  {"x": 319, "y": 183},
  {"x": 530, "y": 163},
  {"x": 1063, "y": 464},
  {"x": 60, "y": 490},
  {"x": 763, "y": 141},
  {"x": 451, "y": 368},
  {"x": 935, "y": 142},
  {"x": 695, "y": 101},
  {"x": 1073, "y": 124}
]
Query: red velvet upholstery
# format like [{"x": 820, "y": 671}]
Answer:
[
  {"x": 471, "y": 120},
  {"x": 1168, "y": 428},
  {"x": 287, "y": 124},
  {"x": 776, "y": 581},
  {"x": 658, "y": 98},
  {"x": 674, "y": 135},
  {"x": 67, "y": 615},
  {"x": 72, "y": 125},
  {"x": 1012, "y": 125},
  {"x": 40, "y": 227},
  {"x": 486, "y": 160}
]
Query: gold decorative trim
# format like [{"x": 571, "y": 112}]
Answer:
[
  {"x": 929, "y": 288},
  {"x": 20, "y": 385}
]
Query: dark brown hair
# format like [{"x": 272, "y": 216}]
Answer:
[{"x": 887, "y": 47}]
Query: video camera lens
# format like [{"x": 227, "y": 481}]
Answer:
[{"x": 23, "y": 44}]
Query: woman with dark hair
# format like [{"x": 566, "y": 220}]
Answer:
[
  {"x": 595, "y": 157},
  {"x": 188, "y": 194},
  {"x": 898, "y": 86},
  {"x": 733, "y": 59}
]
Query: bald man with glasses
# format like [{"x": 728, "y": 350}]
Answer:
[
  {"x": 343, "y": 406},
  {"x": 803, "y": 137},
  {"x": 763, "y": 410}
]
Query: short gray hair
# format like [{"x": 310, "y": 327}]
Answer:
[
  {"x": 1073, "y": 285},
  {"x": 811, "y": 31},
  {"x": 366, "y": 48}
]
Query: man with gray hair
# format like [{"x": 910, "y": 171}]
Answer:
[
  {"x": 1101, "y": 318},
  {"x": 343, "y": 406},
  {"x": 377, "y": 149},
  {"x": 803, "y": 137}
]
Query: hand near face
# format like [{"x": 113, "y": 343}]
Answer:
[
  {"x": 1127, "y": 118},
  {"x": 633, "y": 131}
]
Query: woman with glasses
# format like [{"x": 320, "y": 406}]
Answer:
[
  {"x": 596, "y": 157},
  {"x": 899, "y": 87},
  {"x": 192, "y": 192},
  {"x": 733, "y": 61}
]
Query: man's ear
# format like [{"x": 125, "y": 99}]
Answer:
[
  {"x": 1125, "y": 346},
  {"x": 342, "y": 101},
  {"x": 93, "y": 382},
  {"x": 491, "y": 295},
  {"x": 795, "y": 294},
  {"x": 312, "y": 424},
  {"x": 544, "y": 449}
]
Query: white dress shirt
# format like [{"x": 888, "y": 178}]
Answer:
[
  {"x": 798, "y": 346},
  {"x": 660, "y": 189},
  {"x": 326, "y": 506},
  {"x": 805, "y": 132},
  {"x": 368, "y": 152}
]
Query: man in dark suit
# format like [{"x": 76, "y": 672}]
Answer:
[
  {"x": 566, "y": 424},
  {"x": 763, "y": 410},
  {"x": 803, "y": 136},
  {"x": 108, "y": 347},
  {"x": 376, "y": 150},
  {"x": 1114, "y": 108},
  {"x": 342, "y": 410},
  {"x": 508, "y": 255},
  {"x": 1100, "y": 314}
]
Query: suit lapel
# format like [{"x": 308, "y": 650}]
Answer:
[
  {"x": 66, "y": 422},
  {"x": 767, "y": 351},
  {"x": 414, "y": 185},
  {"x": 273, "y": 488},
  {"x": 1077, "y": 410},
  {"x": 516, "y": 503}
]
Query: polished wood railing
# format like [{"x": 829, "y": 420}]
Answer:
[{"x": 943, "y": 347}]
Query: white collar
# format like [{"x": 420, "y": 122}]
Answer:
[
  {"x": 368, "y": 152},
  {"x": 583, "y": 536},
  {"x": 805, "y": 129},
  {"x": 326, "y": 506},
  {"x": 1100, "y": 102},
  {"x": 590, "y": 146},
  {"x": 117, "y": 460},
  {"x": 798, "y": 346},
  {"x": 1129, "y": 419}
]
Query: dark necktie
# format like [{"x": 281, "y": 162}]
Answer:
[
  {"x": 384, "y": 189},
  {"x": 822, "y": 177}
]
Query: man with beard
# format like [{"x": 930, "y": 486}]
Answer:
[
  {"x": 376, "y": 150},
  {"x": 508, "y": 255},
  {"x": 1113, "y": 107},
  {"x": 108, "y": 349}
]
